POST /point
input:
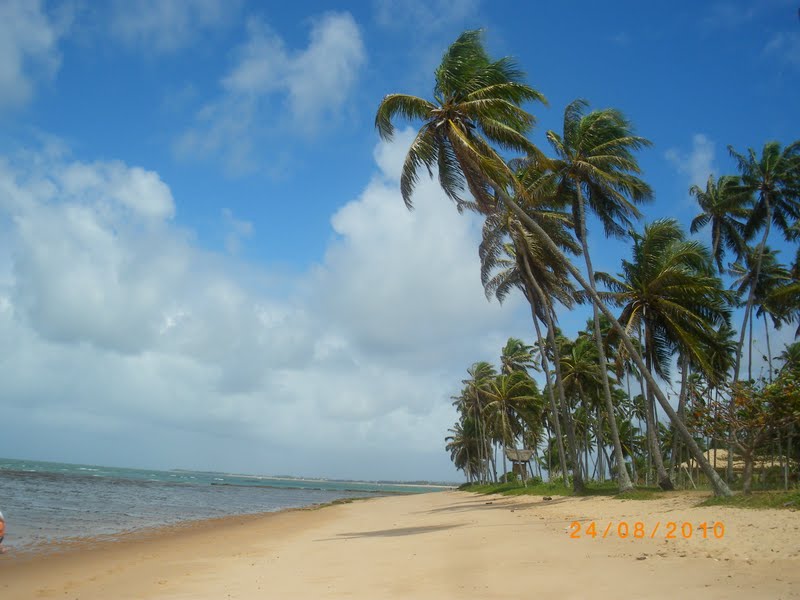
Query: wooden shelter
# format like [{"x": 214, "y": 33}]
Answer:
[{"x": 519, "y": 461}]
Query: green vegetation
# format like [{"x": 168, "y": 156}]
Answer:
[
  {"x": 670, "y": 306},
  {"x": 557, "y": 489},
  {"x": 769, "y": 499}
]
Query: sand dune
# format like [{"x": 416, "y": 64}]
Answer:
[{"x": 439, "y": 545}]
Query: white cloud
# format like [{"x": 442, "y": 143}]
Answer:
[
  {"x": 698, "y": 163},
  {"x": 274, "y": 88},
  {"x": 429, "y": 16},
  {"x": 28, "y": 49},
  {"x": 160, "y": 26},
  {"x": 784, "y": 46},
  {"x": 114, "y": 325}
]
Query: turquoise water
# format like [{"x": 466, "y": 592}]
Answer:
[{"x": 45, "y": 503}]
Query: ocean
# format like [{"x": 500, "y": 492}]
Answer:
[{"x": 46, "y": 503}]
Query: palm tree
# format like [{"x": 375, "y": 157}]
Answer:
[
  {"x": 774, "y": 181},
  {"x": 724, "y": 204},
  {"x": 774, "y": 293},
  {"x": 508, "y": 395},
  {"x": 472, "y": 403},
  {"x": 463, "y": 444},
  {"x": 582, "y": 378},
  {"x": 524, "y": 263},
  {"x": 668, "y": 289},
  {"x": 477, "y": 102},
  {"x": 516, "y": 356},
  {"x": 596, "y": 162}
]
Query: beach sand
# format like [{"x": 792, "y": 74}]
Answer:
[{"x": 438, "y": 545}]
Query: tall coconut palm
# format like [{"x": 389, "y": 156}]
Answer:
[
  {"x": 596, "y": 161},
  {"x": 774, "y": 180},
  {"x": 516, "y": 356},
  {"x": 524, "y": 263},
  {"x": 773, "y": 293},
  {"x": 463, "y": 444},
  {"x": 669, "y": 290},
  {"x": 476, "y": 104},
  {"x": 458, "y": 143},
  {"x": 582, "y": 378},
  {"x": 472, "y": 402},
  {"x": 725, "y": 207},
  {"x": 507, "y": 397}
]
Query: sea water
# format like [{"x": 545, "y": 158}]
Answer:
[{"x": 46, "y": 503}]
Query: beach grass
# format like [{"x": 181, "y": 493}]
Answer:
[
  {"x": 558, "y": 489},
  {"x": 759, "y": 499}
]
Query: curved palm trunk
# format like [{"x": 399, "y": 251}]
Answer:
[
  {"x": 720, "y": 487},
  {"x": 664, "y": 482},
  {"x": 601, "y": 469},
  {"x": 546, "y": 369},
  {"x": 751, "y": 295},
  {"x": 622, "y": 473},
  {"x": 577, "y": 479},
  {"x": 673, "y": 458},
  {"x": 769, "y": 348}
]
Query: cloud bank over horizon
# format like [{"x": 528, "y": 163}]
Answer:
[{"x": 118, "y": 326}]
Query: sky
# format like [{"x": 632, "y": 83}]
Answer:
[{"x": 205, "y": 261}]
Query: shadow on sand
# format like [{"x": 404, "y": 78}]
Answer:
[{"x": 401, "y": 531}]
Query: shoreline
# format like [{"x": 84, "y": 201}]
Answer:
[{"x": 436, "y": 545}]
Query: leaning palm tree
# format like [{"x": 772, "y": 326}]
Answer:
[
  {"x": 774, "y": 180},
  {"x": 477, "y": 103},
  {"x": 512, "y": 258},
  {"x": 668, "y": 290},
  {"x": 596, "y": 165},
  {"x": 724, "y": 207}
]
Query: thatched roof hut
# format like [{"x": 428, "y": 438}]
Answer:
[{"x": 515, "y": 455}]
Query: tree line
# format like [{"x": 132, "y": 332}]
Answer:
[{"x": 668, "y": 306}]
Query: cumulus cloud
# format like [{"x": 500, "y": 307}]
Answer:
[
  {"x": 271, "y": 87},
  {"x": 698, "y": 163},
  {"x": 162, "y": 26},
  {"x": 115, "y": 325},
  {"x": 28, "y": 49}
]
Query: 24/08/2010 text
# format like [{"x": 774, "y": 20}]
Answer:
[{"x": 637, "y": 530}]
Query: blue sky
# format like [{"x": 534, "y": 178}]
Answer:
[{"x": 203, "y": 243}]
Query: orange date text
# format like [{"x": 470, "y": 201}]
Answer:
[{"x": 638, "y": 530}]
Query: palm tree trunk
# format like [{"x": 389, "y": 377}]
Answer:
[
  {"x": 622, "y": 473},
  {"x": 664, "y": 482},
  {"x": 720, "y": 487},
  {"x": 601, "y": 471},
  {"x": 673, "y": 458},
  {"x": 747, "y": 314},
  {"x": 533, "y": 288},
  {"x": 577, "y": 479},
  {"x": 752, "y": 292},
  {"x": 769, "y": 349},
  {"x": 750, "y": 353}
]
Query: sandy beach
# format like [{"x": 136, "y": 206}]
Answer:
[{"x": 438, "y": 545}]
